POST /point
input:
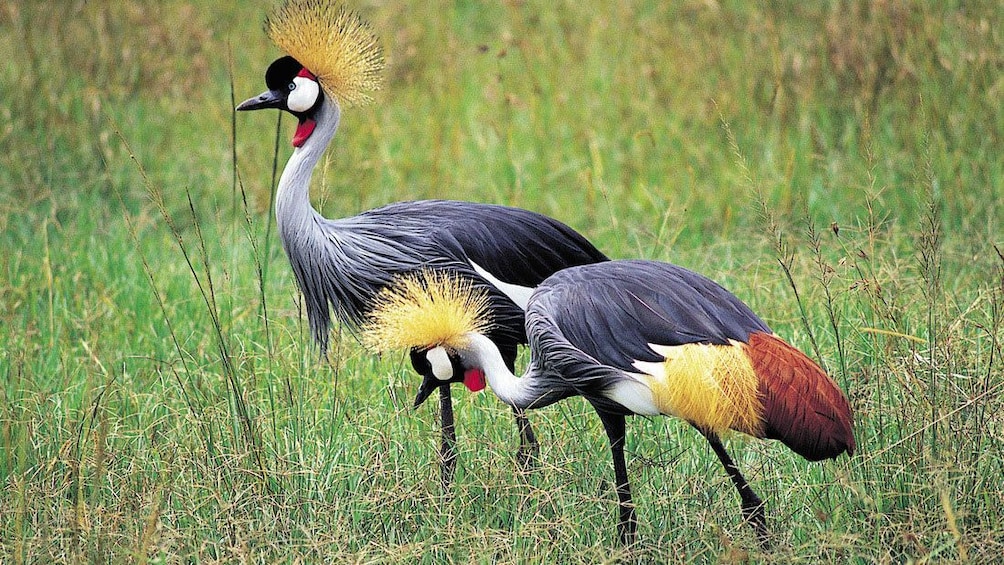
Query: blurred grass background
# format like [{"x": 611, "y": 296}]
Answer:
[{"x": 160, "y": 398}]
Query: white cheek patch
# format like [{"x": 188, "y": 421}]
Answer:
[
  {"x": 442, "y": 368},
  {"x": 304, "y": 96}
]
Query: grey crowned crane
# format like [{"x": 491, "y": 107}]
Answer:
[
  {"x": 341, "y": 265},
  {"x": 634, "y": 337}
]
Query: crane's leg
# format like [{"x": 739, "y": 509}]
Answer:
[
  {"x": 752, "y": 506},
  {"x": 448, "y": 447},
  {"x": 627, "y": 525}
]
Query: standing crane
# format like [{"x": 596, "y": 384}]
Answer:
[
  {"x": 341, "y": 265},
  {"x": 635, "y": 337}
]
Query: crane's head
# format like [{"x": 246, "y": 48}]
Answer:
[
  {"x": 433, "y": 315},
  {"x": 332, "y": 53},
  {"x": 293, "y": 88},
  {"x": 440, "y": 366}
]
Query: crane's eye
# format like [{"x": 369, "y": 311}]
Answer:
[{"x": 303, "y": 94}]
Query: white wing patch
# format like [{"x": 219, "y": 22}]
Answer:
[
  {"x": 633, "y": 394},
  {"x": 518, "y": 294},
  {"x": 657, "y": 369}
]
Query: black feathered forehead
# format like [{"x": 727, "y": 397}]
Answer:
[{"x": 281, "y": 72}]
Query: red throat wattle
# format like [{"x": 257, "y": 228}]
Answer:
[
  {"x": 474, "y": 379},
  {"x": 306, "y": 127},
  {"x": 303, "y": 131}
]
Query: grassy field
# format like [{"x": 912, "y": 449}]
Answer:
[{"x": 838, "y": 168}]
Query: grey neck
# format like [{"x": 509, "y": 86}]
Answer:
[
  {"x": 519, "y": 392},
  {"x": 292, "y": 199}
]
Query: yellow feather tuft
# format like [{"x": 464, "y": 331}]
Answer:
[
  {"x": 712, "y": 386},
  {"x": 426, "y": 310},
  {"x": 333, "y": 43}
]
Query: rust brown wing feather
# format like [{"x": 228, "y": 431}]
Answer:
[{"x": 803, "y": 407}]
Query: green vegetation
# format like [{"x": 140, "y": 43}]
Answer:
[{"x": 838, "y": 167}]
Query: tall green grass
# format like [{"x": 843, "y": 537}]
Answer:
[{"x": 838, "y": 168}]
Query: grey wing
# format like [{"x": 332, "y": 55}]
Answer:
[
  {"x": 562, "y": 368},
  {"x": 613, "y": 311},
  {"x": 514, "y": 245}
]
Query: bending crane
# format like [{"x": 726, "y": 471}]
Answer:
[{"x": 640, "y": 337}]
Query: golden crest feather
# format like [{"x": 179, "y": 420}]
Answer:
[
  {"x": 333, "y": 43},
  {"x": 425, "y": 310}
]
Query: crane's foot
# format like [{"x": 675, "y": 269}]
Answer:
[
  {"x": 528, "y": 452},
  {"x": 755, "y": 515},
  {"x": 527, "y": 457},
  {"x": 627, "y": 526}
]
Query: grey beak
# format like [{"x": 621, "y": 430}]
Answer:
[
  {"x": 429, "y": 384},
  {"x": 267, "y": 99}
]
